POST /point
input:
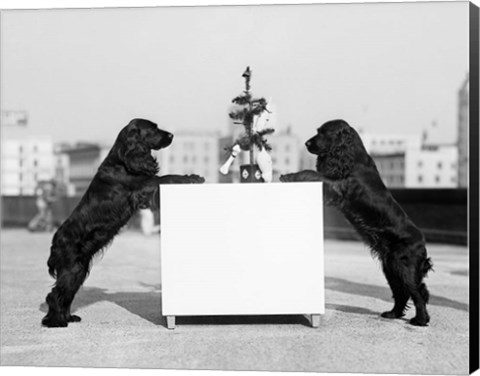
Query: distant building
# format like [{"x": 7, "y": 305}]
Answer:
[
  {"x": 286, "y": 153},
  {"x": 408, "y": 161},
  {"x": 391, "y": 168},
  {"x": 432, "y": 167},
  {"x": 463, "y": 125},
  {"x": 62, "y": 168},
  {"x": 192, "y": 153},
  {"x": 390, "y": 143},
  {"x": 435, "y": 166},
  {"x": 83, "y": 162},
  {"x": 14, "y": 118},
  {"x": 25, "y": 162}
]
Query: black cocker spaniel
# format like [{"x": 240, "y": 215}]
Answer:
[
  {"x": 353, "y": 185},
  {"x": 125, "y": 182}
]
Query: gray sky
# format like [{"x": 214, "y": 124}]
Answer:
[{"x": 386, "y": 68}]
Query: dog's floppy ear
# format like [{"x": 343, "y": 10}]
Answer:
[
  {"x": 340, "y": 160},
  {"x": 135, "y": 154}
]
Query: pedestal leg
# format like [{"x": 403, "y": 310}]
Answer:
[
  {"x": 170, "y": 322},
  {"x": 315, "y": 321}
]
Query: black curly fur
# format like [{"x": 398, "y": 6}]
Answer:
[
  {"x": 125, "y": 182},
  {"x": 352, "y": 184}
]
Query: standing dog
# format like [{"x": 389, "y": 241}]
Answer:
[
  {"x": 352, "y": 184},
  {"x": 125, "y": 182}
]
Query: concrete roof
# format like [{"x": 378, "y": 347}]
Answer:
[{"x": 122, "y": 325}]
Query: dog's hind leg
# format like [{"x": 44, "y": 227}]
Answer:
[
  {"x": 420, "y": 266},
  {"x": 420, "y": 296},
  {"x": 59, "y": 300},
  {"x": 410, "y": 279},
  {"x": 400, "y": 293},
  {"x": 417, "y": 270}
]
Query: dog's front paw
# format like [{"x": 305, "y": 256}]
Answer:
[
  {"x": 193, "y": 179},
  {"x": 287, "y": 178},
  {"x": 392, "y": 315},
  {"x": 74, "y": 318},
  {"x": 419, "y": 321},
  {"x": 54, "y": 322}
]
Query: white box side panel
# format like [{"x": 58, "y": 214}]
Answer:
[{"x": 231, "y": 249}]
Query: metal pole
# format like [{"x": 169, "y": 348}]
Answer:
[{"x": 247, "y": 74}]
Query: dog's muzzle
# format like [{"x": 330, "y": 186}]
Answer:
[
  {"x": 311, "y": 147},
  {"x": 165, "y": 140}
]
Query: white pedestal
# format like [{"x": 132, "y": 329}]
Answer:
[{"x": 242, "y": 249}]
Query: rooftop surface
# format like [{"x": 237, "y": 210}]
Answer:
[{"x": 122, "y": 324}]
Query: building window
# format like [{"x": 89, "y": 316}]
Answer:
[
  {"x": 287, "y": 161},
  {"x": 194, "y": 159},
  {"x": 207, "y": 146},
  {"x": 206, "y": 159},
  {"x": 35, "y": 148},
  {"x": 420, "y": 163},
  {"x": 437, "y": 179},
  {"x": 439, "y": 165},
  {"x": 420, "y": 178},
  {"x": 172, "y": 159},
  {"x": 20, "y": 149},
  {"x": 35, "y": 163},
  {"x": 185, "y": 158},
  {"x": 20, "y": 177},
  {"x": 287, "y": 147}
]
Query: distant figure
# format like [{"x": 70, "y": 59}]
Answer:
[
  {"x": 43, "y": 221},
  {"x": 147, "y": 222}
]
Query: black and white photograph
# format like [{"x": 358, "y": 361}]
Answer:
[{"x": 241, "y": 187}]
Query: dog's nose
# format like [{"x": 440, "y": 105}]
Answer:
[
  {"x": 308, "y": 143},
  {"x": 170, "y": 136}
]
